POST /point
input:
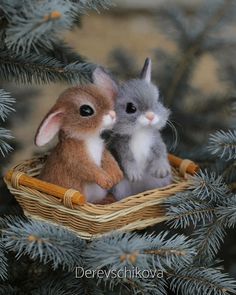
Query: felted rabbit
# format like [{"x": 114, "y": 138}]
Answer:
[
  {"x": 136, "y": 142},
  {"x": 80, "y": 160}
]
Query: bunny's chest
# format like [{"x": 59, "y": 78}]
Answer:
[
  {"x": 140, "y": 145},
  {"x": 95, "y": 148}
]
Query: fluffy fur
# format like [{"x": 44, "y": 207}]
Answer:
[
  {"x": 80, "y": 159},
  {"x": 136, "y": 141}
]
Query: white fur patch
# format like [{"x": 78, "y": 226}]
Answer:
[
  {"x": 108, "y": 121},
  {"x": 95, "y": 146},
  {"x": 140, "y": 145},
  {"x": 94, "y": 193}
]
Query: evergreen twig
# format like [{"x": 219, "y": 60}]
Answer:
[
  {"x": 204, "y": 281},
  {"x": 3, "y": 262},
  {"x": 207, "y": 240},
  {"x": 44, "y": 242},
  {"x": 5, "y": 147},
  {"x": 37, "y": 69},
  {"x": 223, "y": 144}
]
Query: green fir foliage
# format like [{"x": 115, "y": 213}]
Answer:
[
  {"x": 29, "y": 24},
  {"x": 33, "y": 68},
  {"x": 6, "y": 107},
  {"x": 203, "y": 281},
  {"x": 223, "y": 144},
  {"x": 44, "y": 242},
  {"x": 3, "y": 262}
]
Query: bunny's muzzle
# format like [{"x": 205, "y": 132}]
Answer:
[{"x": 109, "y": 119}]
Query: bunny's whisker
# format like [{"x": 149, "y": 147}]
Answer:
[{"x": 174, "y": 133}]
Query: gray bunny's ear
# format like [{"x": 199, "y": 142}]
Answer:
[{"x": 146, "y": 72}]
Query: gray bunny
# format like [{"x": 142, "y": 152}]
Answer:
[{"x": 136, "y": 142}]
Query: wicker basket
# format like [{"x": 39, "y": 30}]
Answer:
[{"x": 67, "y": 207}]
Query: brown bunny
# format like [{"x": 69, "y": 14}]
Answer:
[{"x": 80, "y": 159}]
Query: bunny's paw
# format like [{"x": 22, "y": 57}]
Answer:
[
  {"x": 117, "y": 176},
  {"x": 162, "y": 170},
  {"x": 105, "y": 181},
  {"x": 134, "y": 174}
]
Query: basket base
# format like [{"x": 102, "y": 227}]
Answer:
[{"x": 87, "y": 236}]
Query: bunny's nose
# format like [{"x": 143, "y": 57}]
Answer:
[
  {"x": 150, "y": 116},
  {"x": 112, "y": 114}
]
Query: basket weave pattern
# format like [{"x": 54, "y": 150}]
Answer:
[{"x": 91, "y": 220}]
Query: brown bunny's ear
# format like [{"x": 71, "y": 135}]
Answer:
[
  {"x": 105, "y": 83},
  {"x": 146, "y": 72},
  {"x": 49, "y": 127}
]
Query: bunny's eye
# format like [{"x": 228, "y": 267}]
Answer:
[
  {"x": 130, "y": 108},
  {"x": 86, "y": 110}
]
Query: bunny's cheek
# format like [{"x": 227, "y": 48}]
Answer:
[{"x": 143, "y": 121}]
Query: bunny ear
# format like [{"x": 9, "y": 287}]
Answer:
[
  {"x": 147, "y": 70},
  {"x": 105, "y": 83},
  {"x": 49, "y": 127}
]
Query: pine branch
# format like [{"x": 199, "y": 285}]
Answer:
[
  {"x": 208, "y": 192},
  {"x": 3, "y": 262},
  {"x": 127, "y": 252},
  {"x": 37, "y": 23},
  {"x": 223, "y": 144},
  {"x": 5, "y": 135},
  {"x": 61, "y": 52},
  {"x": 6, "y": 102},
  {"x": 184, "y": 210},
  {"x": 44, "y": 242},
  {"x": 42, "y": 69},
  {"x": 142, "y": 251},
  {"x": 207, "y": 240},
  {"x": 179, "y": 198},
  {"x": 227, "y": 214},
  {"x": 4, "y": 222},
  {"x": 204, "y": 281},
  {"x": 209, "y": 186}
]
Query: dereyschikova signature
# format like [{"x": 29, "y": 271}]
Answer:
[{"x": 125, "y": 272}]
